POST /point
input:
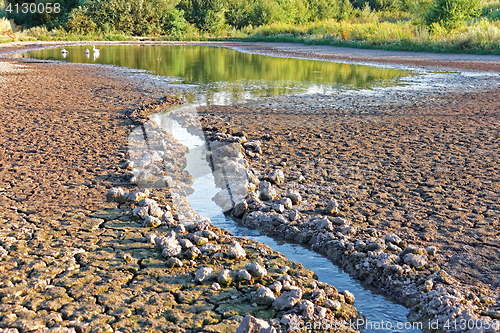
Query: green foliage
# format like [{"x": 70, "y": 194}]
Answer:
[
  {"x": 379, "y": 4},
  {"x": 491, "y": 12},
  {"x": 346, "y": 10},
  {"x": 324, "y": 9},
  {"x": 175, "y": 23},
  {"x": 239, "y": 13},
  {"x": 206, "y": 15},
  {"x": 452, "y": 13},
  {"x": 131, "y": 17}
]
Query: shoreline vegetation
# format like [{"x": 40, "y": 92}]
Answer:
[{"x": 441, "y": 26}]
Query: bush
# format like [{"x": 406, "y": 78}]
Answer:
[
  {"x": 452, "y": 13},
  {"x": 131, "y": 17}
]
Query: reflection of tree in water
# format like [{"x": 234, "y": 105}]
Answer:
[{"x": 234, "y": 72}]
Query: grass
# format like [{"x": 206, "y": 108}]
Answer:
[{"x": 481, "y": 37}]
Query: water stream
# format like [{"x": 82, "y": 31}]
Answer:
[{"x": 375, "y": 307}]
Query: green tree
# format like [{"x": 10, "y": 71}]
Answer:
[
  {"x": 346, "y": 10},
  {"x": 452, "y": 13},
  {"x": 206, "y": 15},
  {"x": 324, "y": 9}
]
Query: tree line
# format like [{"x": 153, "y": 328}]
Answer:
[{"x": 176, "y": 17}]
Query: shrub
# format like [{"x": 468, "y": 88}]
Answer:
[
  {"x": 452, "y": 13},
  {"x": 131, "y": 17}
]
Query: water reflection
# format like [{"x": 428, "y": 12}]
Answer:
[{"x": 224, "y": 76}]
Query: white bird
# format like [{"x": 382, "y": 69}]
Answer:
[
  {"x": 64, "y": 51},
  {"x": 87, "y": 51},
  {"x": 95, "y": 50}
]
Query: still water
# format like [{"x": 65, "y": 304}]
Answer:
[{"x": 224, "y": 76}]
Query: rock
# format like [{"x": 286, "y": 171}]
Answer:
[
  {"x": 393, "y": 238},
  {"x": 413, "y": 250},
  {"x": 240, "y": 209},
  {"x": 198, "y": 240},
  {"x": 349, "y": 297},
  {"x": 209, "y": 234},
  {"x": 294, "y": 215},
  {"x": 348, "y": 231},
  {"x": 294, "y": 196},
  {"x": 168, "y": 218},
  {"x": 243, "y": 275},
  {"x": 174, "y": 262},
  {"x": 151, "y": 222},
  {"x": 151, "y": 238},
  {"x": 288, "y": 299},
  {"x": 252, "y": 325},
  {"x": 180, "y": 229},
  {"x": 236, "y": 251},
  {"x": 286, "y": 202},
  {"x": 185, "y": 243},
  {"x": 169, "y": 245},
  {"x": 267, "y": 194},
  {"x": 276, "y": 287},
  {"x": 307, "y": 307},
  {"x": 321, "y": 224},
  {"x": 431, "y": 250},
  {"x": 256, "y": 270},
  {"x": 277, "y": 177},
  {"x": 278, "y": 208},
  {"x": 140, "y": 211},
  {"x": 333, "y": 305},
  {"x": 138, "y": 195},
  {"x": 215, "y": 286},
  {"x": 192, "y": 253},
  {"x": 224, "y": 277},
  {"x": 210, "y": 248},
  {"x": 321, "y": 311},
  {"x": 415, "y": 260},
  {"x": 263, "y": 296},
  {"x": 340, "y": 221},
  {"x": 156, "y": 211},
  {"x": 204, "y": 274},
  {"x": 332, "y": 207},
  {"x": 117, "y": 194}
]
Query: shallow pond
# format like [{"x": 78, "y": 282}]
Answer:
[{"x": 224, "y": 76}]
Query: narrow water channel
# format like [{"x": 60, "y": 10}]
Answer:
[{"x": 374, "y": 306}]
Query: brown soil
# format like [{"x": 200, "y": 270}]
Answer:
[{"x": 63, "y": 137}]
